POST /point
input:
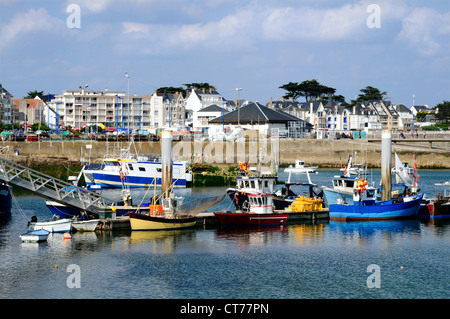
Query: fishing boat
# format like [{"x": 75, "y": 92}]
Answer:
[
  {"x": 258, "y": 213},
  {"x": 300, "y": 168},
  {"x": 130, "y": 170},
  {"x": 35, "y": 236},
  {"x": 285, "y": 197},
  {"x": 439, "y": 206},
  {"x": 167, "y": 211},
  {"x": 355, "y": 169},
  {"x": 55, "y": 225},
  {"x": 5, "y": 198},
  {"x": 342, "y": 186},
  {"x": 366, "y": 207},
  {"x": 253, "y": 200}
]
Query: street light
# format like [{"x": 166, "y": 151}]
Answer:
[
  {"x": 117, "y": 114},
  {"x": 223, "y": 115},
  {"x": 237, "y": 102},
  {"x": 128, "y": 125}
]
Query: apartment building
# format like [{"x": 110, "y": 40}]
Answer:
[
  {"x": 167, "y": 110},
  {"x": 113, "y": 109},
  {"x": 6, "y": 105},
  {"x": 27, "y": 111}
]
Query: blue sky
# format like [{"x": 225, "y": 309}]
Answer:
[{"x": 254, "y": 45}]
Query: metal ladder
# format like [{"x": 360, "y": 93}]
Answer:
[{"x": 52, "y": 188}]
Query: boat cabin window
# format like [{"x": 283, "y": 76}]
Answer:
[
  {"x": 130, "y": 166},
  {"x": 266, "y": 183},
  {"x": 350, "y": 183},
  {"x": 335, "y": 183},
  {"x": 142, "y": 169},
  {"x": 158, "y": 169},
  {"x": 246, "y": 184},
  {"x": 252, "y": 184},
  {"x": 370, "y": 192}
]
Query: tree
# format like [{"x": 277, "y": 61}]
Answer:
[
  {"x": 443, "y": 111},
  {"x": 199, "y": 86},
  {"x": 171, "y": 90},
  {"x": 33, "y": 94},
  {"x": 293, "y": 90},
  {"x": 370, "y": 93},
  {"x": 312, "y": 90}
]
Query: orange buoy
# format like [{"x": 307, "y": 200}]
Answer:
[{"x": 67, "y": 236}]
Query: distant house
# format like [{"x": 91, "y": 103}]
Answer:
[
  {"x": 28, "y": 111},
  {"x": 199, "y": 99},
  {"x": 405, "y": 117},
  {"x": 419, "y": 108},
  {"x": 167, "y": 110},
  {"x": 202, "y": 117},
  {"x": 364, "y": 118},
  {"x": 259, "y": 117}
]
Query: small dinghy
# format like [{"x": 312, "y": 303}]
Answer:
[
  {"x": 35, "y": 236},
  {"x": 55, "y": 225},
  {"x": 85, "y": 225}
]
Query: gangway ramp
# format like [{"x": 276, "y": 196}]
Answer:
[{"x": 52, "y": 188}]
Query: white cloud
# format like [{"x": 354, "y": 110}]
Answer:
[
  {"x": 92, "y": 6},
  {"x": 423, "y": 29},
  {"x": 33, "y": 21}
]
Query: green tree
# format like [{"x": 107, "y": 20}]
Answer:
[
  {"x": 312, "y": 90},
  {"x": 33, "y": 94},
  {"x": 443, "y": 111},
  {"x": 206, "y": 86},
  {"x": 370, "y": 93},
  {"x": 171, "y": 90}
]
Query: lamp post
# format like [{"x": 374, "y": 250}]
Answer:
[
  {"x": 237, "y": 102},
  {"x": 128, "y": 98},
  {"x": 223, "y": 115},
  {"x": 117, "y": 114},
  {"x": 57, "y": 117}
]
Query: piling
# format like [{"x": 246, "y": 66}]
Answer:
[
  {"x": 166, "y": 161},
  {"x": 386, "y": 165}
]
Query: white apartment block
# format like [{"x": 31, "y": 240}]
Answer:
[
  {"x": 117, "y": 111},
  {"x": 113, "y": 109}
]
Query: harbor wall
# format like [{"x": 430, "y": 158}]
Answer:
[{"x": 323, "y": 153}]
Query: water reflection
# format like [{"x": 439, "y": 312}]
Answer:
[
  {"x": 164, "y": 241},
  {"x": 244, "y": 236}
]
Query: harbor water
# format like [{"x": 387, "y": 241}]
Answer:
[{"x": 316, "y": 259}]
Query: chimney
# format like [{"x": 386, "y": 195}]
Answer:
[{"x": 271, "y": 103}]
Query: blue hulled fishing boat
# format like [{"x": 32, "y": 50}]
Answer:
[{"x": 366, "y": 207}]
